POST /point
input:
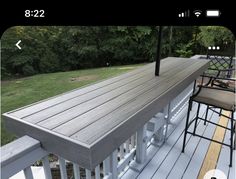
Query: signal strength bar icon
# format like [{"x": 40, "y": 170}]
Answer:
[
  {"x": 197, "y": 13},
  {"x": 184, "y": 14}
]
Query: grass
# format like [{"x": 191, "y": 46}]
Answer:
[{"x": 20, "y": 92}]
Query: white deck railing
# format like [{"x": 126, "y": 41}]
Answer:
[{"x": 22, "y": 153}]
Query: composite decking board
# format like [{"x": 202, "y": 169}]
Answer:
[
  {"x": 223, "y": 161},
  {"x": 79, "y": 106},
  {"x": 90, "y": 153},
  {"x": 65, "y": 147},
  {"x": 18, "y": 148},
  {"x": 63, "y": 111},
  {"x": 232, "y": 169},
  {"x": 175, "y": 153},
  {"x": 74, "y": 102},
  {"x": 180, "y": 165},
  {"x": 163, "y": 152},
  {"x": 123, "y": 113},
  {"x": 184, "y": 158},
  {"x": 153, "y": 150},
  {"x": 32, "y": 108},
  {"x": 231, "y": 172},
  {"x": 80, "y": 122},
  {"x": 110, "y": 97},
  {"x": 199, "y": 154},
  {"x": 213, "y": 153}
]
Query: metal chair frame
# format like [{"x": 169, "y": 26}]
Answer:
[{"x": 188, "y": 124}]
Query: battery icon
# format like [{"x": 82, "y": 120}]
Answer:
[{"x": 212, "y": 13}]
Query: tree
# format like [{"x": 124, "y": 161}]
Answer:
[{"x": 48, "y": 49}]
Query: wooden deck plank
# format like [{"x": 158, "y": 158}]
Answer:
[
  {"x": 82, "y": 99},
  {"x": 213, "y": 152},
  {"x": 62, "y": 112},
  {"x": 232, "y": 172},
  {"x": 152, "y": 149},
  {"x": 185, "y": 161},
  {"x": 184, "y": 158},
  {"x": 199, "y": 154},
  {"x": 223, "y": 161},
  {"x": 53, "y": 110},
  {"x": 71, "y": 127},
  {"x": 172, "y": 158},
  {"x": 105, "y": 102},
  {"x": 80, "y": 92},
  {"x": 159, "y": 157},
  {"x": 232, "y": 169}
]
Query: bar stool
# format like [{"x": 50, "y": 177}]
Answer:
[{"x": 213, "y": 98}]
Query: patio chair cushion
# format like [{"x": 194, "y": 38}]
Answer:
[
  {"x": 219, "y": 98},
  {"x": 225, "y": 84}
]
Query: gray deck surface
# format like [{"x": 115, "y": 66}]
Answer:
[
  {"x": 87, "y": 124},
  {"x": 169, "y": 162}
]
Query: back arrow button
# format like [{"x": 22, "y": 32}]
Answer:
[{"x": 17, "y": 44}]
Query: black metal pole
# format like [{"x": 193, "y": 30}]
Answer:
[{"x": 158, "y": 54}]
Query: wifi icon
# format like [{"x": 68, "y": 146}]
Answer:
[{"x": 197, "y": 13}]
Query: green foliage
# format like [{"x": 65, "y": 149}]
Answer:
[
  {"x": 28, "y": 70},
  {"x": 48, "y": 49},
  {"x": 184, "y": 50},
  {"x": 215, "y": 35}
]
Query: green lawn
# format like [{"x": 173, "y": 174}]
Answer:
[{"x": 20, "y": 92}]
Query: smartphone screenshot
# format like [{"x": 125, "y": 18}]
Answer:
[{"x": 118, "y": 93}]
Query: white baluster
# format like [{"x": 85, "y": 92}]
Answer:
[
  {"x": 133, "y": 141},
  {"x": 63, "y": 172},
  {"x": 114, "y": 163},
  {"x": 97, "y": 172},
  {"x": 106, "y": 166},
  {"x": 28, "y": 173},
  {"x": 46, "y": 168},
  {"x": 88, "y": 174},
  {"x": 76, "y": 171}
]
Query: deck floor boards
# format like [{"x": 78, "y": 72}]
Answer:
[
  {"x": 223, "y": 161},
  {"x": 169, "y": 162}
]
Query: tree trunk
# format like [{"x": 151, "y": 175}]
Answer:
[{"x": 170, "y": 41}]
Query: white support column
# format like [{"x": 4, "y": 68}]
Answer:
[
  {"x": 76, "y": 171},
  {"x": 63, "y": 172},
  {"x": 28, "y": 173},
  {"x": 46, "y": 168},
  {"x": 141, "y": 150},
  {"x": 160, "y": 122}
]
